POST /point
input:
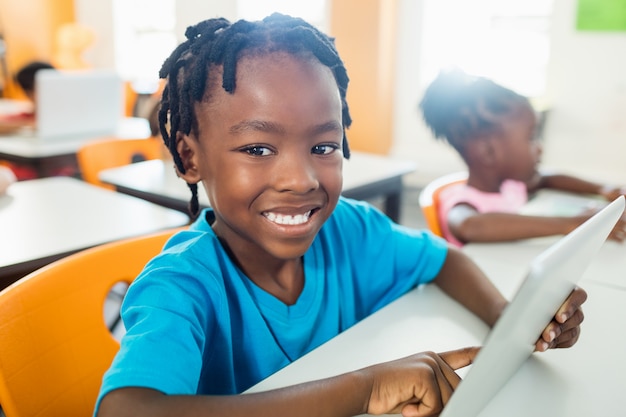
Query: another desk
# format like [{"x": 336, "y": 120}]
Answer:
[
  {"x": 608, "y": 267},
  {"x": 581, "y": 381},
  {"x": 46, "y": 219},
  {"x": 366, "y": 176},
  {"x": 47, "y": 155}
]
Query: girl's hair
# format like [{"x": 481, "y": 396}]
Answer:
[
  {"x": 25, "y": 77},
  {"x": 190, "y": 69},
  {"x": 458, "y": 107}
]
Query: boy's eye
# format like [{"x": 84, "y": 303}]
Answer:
[
  {"x": 324, "y": 149},
  {"x": 257, "y": 151}
]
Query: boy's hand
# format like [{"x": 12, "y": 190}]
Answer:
[
  {"x": 418, "y": 385},
  {"x": 564, "y": 329}
]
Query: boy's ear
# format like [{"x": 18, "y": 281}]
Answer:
[{"x": 187, "y": 149}]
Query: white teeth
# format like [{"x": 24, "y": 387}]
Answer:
[{"x": 287, "y": 219}]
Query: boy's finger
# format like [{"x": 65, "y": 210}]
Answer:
[
  {"x": 460, "y": 358},
  {"x": 576, "y": 298}
]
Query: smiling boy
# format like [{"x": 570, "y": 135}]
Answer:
[{"x": 280, "y": 263}]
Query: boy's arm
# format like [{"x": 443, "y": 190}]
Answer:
[
  {"x": 420, "y": 383},
  {"x": 341, "y": 395},
  {"x": 463, "y": 280}
]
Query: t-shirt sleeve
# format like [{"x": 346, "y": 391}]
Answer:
[{"x": 167, "y": 340}]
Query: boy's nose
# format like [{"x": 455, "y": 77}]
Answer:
[{"x": 295, "y": 174}]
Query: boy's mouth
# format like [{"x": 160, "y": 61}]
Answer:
[{"x": 287, "y": 219}]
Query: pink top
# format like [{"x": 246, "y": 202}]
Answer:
[{"x": 512, "y": 196}]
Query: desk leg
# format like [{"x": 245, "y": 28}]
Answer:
[
  {"x": 392, "y": 206},
  {"x": 389, "y": 189}
]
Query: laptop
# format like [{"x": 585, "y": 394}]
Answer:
[
  {"x": 77, "y": 104},
  {"x": 552, "y": 276}
]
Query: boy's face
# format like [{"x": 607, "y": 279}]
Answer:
[{"x": 270, "y": 156}]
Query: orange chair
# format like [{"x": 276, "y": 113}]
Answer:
[
  {"x": 93, "y": 157},
  {"x": 429, "y": 199},
  {"x": 130, "y": 99},
  {"x": 54, "y": 343}
]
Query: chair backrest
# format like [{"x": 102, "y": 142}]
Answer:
[
  {"x": 130, "y": 99},
  {"x": 95, "y": 156},
  {"x": 54, "y": 343},
  {"x": 429, "y": 199}
]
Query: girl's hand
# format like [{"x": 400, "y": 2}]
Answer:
[
  {"x": 564, "y": 329},
  {"x": 610, "y": 192},
  {"x": 418, "y": 385}
]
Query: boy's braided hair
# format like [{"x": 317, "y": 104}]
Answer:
[
  {"x": 217, "y": 42},
  {"x": 458, "y": 107}
]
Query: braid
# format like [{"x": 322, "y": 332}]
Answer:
[
  {"x": 458, "y": 107},
  {"x": 218, "y": 43}
]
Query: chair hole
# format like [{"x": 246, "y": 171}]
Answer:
[
  {"x": 137, "y": 157},
  {"x": 112, "y": 306}
]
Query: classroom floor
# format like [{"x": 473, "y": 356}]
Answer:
[{"x": 411, "y": 214}]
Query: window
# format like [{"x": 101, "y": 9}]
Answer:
[
  {"x": 313, "y": 11},
  {"x": 145, "y": 31},
  {"x": 144, "y": 37},
  {"x": 505, "y": 40}
]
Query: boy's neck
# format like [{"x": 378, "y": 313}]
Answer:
[{"x": 284, "y": 281}]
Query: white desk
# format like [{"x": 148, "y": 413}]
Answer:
[
  {"x": 30, "y": 146},
  {"x": 560, "y": 203},
  {"x": 581, "y": 381},
  {"x": 43, "y": 155},
  {"x": 46, "y": 219},
  {"x": 365, "y": 176},
  {"x": 608, "y": 267}
]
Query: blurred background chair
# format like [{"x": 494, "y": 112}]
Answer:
[
  {"x": 429, "y": 198},
  {"x": 56, "y": 345},
  {"x": 93, "y": 157},
  {"x": 130, "y": 99}
]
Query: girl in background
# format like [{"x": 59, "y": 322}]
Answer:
[{"x": 494, "y": 130}]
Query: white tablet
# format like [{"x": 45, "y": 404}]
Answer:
[{"x": 551, "y": 278}]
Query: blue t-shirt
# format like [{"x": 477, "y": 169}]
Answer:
[{"x": 197, "y": 325}]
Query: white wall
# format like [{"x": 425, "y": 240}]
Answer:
[
  {"x": 412, "y": 139},
  {"x": 98, "y": 15},
  {"x": 190, "y": 12},
  {"x": 586, "y": 132}
]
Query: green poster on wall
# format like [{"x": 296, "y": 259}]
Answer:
[{"x": 601, "y": 15}]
